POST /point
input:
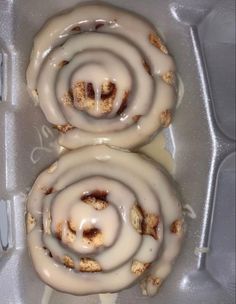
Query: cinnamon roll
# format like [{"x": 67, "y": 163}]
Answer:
[
  {"x": 102, "y": 75},
  {"x": 96, "y": 223}
]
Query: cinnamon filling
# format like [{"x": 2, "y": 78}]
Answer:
[
  {"x": 145, "y": 223},
  {"x": 124, "y": 103},
  {"x": 97, "y": 199},
  {"x": 64, "y": 128}
]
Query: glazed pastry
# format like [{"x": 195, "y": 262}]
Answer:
[
  {"x": 102, "y": 75},
  {"x": 96, "y": 223}
]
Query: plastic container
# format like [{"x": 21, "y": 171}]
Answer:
[{"x": 201, "y": 36}]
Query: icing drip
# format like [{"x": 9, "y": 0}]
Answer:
[
  {"x": 47, "y": 295},
  {"x": 44, "y": 133},
  {"x": 102, "y": 75},
  {"x": 96, "y": 223}
]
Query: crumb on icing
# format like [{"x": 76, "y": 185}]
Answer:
[
  {"x": 144, "y": 223},
  {"x": 138, "y": 267},
  {"x": 89, "y": 265},
  {"x": 177, "y": 227},
  {"x": 64, "y": 128},
  {"x": 157, "y": 42},
  {"x": 169, "y": 78},
  {"x": 166, "y": 118}
]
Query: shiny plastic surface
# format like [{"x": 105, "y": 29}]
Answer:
[{"x": 201, "y": 35}]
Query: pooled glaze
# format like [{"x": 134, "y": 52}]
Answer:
[
  {"x": 108, "y": 298},
  {"x": 47, "y": 295},
  {"x": 96, "y": 44},
  {"x": 157, "y": 151},
  {"x": 99, "y": 187}
]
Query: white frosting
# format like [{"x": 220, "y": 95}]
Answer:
[
  {"x": 189, "y": 211},
  {"x": 108, "y": 298},
  {"x": 43, "y": 134},
  {"x": 115, "y": 52},
  {"x": 121, "y": 175},
  {"x": 157, "y": 151},
  {"x": 47, "y": 295}
]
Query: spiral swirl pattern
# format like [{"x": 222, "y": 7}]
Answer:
[
  {"x": 96, "y": 224},
  {"x": 102, "y": 75}
]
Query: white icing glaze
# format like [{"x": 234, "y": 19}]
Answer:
[
  {"x": 121, "y": 175},
  {"x": 108, "y": 298},
  {"x": 189, "y": 211},
  {"x": 156, "y": 150},
  {"x": 47, "y": 295},
  {"x": 44, "y": 133},
  {"x": 115, "y": 52}
]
